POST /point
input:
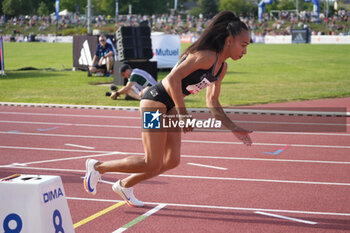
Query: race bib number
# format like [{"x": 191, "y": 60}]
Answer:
[{"x": 195, "y": 88}]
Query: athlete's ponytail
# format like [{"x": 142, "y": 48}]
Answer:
[{"x": 221, "y": 26}]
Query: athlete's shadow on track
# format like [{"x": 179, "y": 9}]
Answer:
[{"x": 243, "y": 217}]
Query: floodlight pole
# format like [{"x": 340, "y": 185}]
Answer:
[
  {"x": 89, "y": 17},
  {"x": 56, "y": 31},
  {"x": 116, "y": 11},
  {"x": 297, "y": 6}
]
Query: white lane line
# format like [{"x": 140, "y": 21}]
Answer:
[
  {"x": 255, "y": 180},
  {"x": 185, "y": 141},
  {"x": 290, "y": 123},
  {"x": 84, "y": 147},
  {"x": 204, "y": 110},
  {"x": 265, "y": 160},
  {"x": 194, "y": 177},
  {"x": 140, "y": 218},
  {"x": 138, "y": 127},
  {"x": 53, "y": 149},
  {"x": 71, "y": 124},
  {"x": 70, "y": 115},
  {"x": 267, "y": 144},
  {"x": 223, "y": 130},
  {"x": 207, "y": 166},
  {"x": 36, "y": 123},
  {"x": 70, "y": 158},
  {"x": 183, "y": 156},
  {"x": 102, "y": 181},
  {"x": 72, "y": 136},
  {"x": 94, "y": 107},
  {"x": 303, "y": 133},
  {"x": 18, "y": 164},
  {"x": 284, "y": 217},
  {"x": 220, "y": 207}
]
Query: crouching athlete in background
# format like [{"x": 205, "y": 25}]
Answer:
[{"x": 138, "y": 82}]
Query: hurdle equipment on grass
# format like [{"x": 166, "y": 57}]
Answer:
[{"x": 34, "y": 204}]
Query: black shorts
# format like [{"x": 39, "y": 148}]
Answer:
[
  {"x": 159, "y": 94},
  {"x": 102, "y": 67}
]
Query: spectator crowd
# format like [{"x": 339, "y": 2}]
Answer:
[{"x": 279, "y": 23}]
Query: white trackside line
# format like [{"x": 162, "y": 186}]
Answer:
[
  {"x": 207, "y": 166},
  {"x": 103, "y": 181},
  {"x": 138, "y": 127},
  {"x": 288, "y": 123},
  {"x": 228, "y": 111},
  {"x": 70, "y": 115},
  {"x": 193, "y": 177},
  {"x": 219, "y": 207},
  {"x": 236, "y": 110},
  {"x": 223, "y": 130},
  {"x": 84, "y": 147},
  {"x": 57, "y": 149},
  {"x": 183, "y": 156},
  {"x": 154, "y": 210},
  {"x": 72, "y": 124},
  {"x": 303, "y": 133},
  {"x": 265, "y": 160},
  {"x": 254, "y": 180},
  {"x": 71, "y": 158},
  {"x": 284, "y": 217},
  {"x": 184, "y": 141}
]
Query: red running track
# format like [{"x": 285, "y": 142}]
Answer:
[{"x": 304, "y": 187}]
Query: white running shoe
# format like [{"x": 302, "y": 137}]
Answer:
[
  {"x": 127, "y": 194},
  {"x": 91, "y": 177}
]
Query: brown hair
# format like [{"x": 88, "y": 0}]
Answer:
[{"x": 213, "y": 38}]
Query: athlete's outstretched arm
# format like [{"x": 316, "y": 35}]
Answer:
[{"x": 212, "y": 100}]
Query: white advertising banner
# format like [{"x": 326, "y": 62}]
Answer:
[
  {"x": 278, "y": 39},
  {"x": 166, "y": 49},
  {"x": 324, "y": 39}
]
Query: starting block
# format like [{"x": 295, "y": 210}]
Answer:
[{"x": 34, "y": 204}]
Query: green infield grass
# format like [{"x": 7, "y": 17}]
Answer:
[{"x": 267, "y": 74}]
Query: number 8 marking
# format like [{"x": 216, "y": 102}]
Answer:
[
  {"x": 58, "y": 227},
  {"x": 17, "y": 219}
]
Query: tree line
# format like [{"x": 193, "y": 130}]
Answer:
[
  {"x": 13, "y": 8},
  {"x": 144, "y": 7}
]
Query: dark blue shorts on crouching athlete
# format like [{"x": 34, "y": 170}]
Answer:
[
  {"x": 159, "y": 94},
  {"x": 100, "y": 67}
]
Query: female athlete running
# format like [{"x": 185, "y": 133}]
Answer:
[{"x": 201, "y": 66}]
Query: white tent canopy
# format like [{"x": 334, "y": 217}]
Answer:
[{"x": 65, "y": 12}]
